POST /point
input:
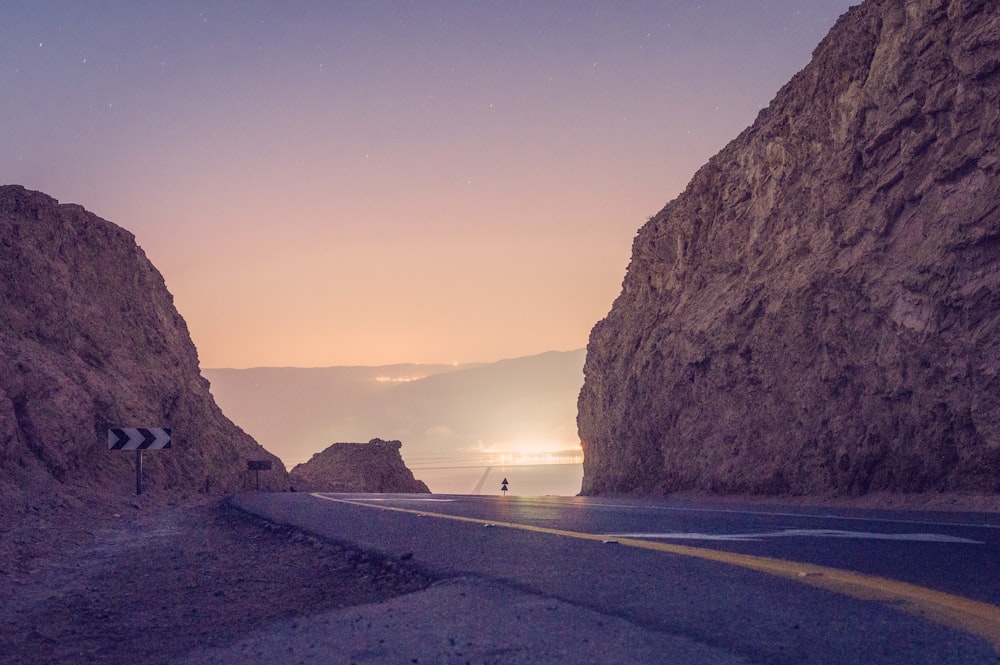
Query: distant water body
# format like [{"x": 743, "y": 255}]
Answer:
[{"x": 522, "y": 480}]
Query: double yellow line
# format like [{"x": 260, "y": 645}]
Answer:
[{"x": 971, "y": 616}]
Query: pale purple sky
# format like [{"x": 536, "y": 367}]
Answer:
[{"x": 340, "y": 183}]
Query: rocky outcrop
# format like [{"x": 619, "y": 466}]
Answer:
[
  {"x": 819, "y": 311},
  {"x": 90, "y": 340},
  {"x": 375, "y": 466}
]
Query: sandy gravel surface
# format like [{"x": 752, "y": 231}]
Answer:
[{"x": 148, "y": 584}]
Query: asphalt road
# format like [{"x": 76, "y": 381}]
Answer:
[{"x": 695, "y": 582}]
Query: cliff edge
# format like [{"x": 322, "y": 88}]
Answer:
[
  {"x": 90, "y": 340},
  {"x": 819, "y": 311}
]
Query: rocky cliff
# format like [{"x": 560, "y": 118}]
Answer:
[
  {"x": 90, "y": 340},
  {"x": 819, "y": 311},
  {"x": 375, "y": 466}
]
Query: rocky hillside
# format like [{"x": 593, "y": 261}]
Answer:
[
  {"x": 376, "y": 466},
  {"x": 819, "y": 311},
  {"x": 90, "y": 340}
]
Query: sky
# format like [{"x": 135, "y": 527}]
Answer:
[{"x": 367, "y": 183}]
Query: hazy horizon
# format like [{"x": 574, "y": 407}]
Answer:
[
  {"x": 474, "y": 363},
  {"x": 454, "y": 422}
]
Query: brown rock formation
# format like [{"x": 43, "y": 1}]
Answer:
[
  {"x": 819, "y": 311},
  {"x": 375, "y": 466},
  {"x": 90, "y": 340}
]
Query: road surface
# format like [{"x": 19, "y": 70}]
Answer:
[{"x": 694, "y": 582}]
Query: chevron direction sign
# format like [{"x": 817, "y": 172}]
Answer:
[{"x": 131, "y": 438}]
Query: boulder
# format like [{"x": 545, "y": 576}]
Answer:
[{"x": 375, "y": 466}]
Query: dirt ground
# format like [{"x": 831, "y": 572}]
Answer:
[{"x": 148, "y": 583}]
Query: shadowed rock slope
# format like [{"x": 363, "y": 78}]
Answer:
[
  {"x": 90, "y": 340},
  {"x": 819, "y": 311},
  {"x": 376, "y": 466}
]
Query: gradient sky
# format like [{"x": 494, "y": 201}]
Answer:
[{"x": 364, "y": 183}]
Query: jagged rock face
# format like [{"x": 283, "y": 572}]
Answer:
[
  {"x": 90, "y": 340},
  {"x": 819, "y": 311},
  {"x": 375, "y": 466}
]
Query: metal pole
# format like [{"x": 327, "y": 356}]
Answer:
[{"x": 138, "y": 471}]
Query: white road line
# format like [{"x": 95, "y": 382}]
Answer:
[
  {"x": 808, "y": 533},
  {"x": 401, "y": 500}
]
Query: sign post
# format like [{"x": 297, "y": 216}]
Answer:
[
  {"x": 503, "y": 487},
  {"x": 257, "y": 466},
  {"x": 138, "y": 439}
]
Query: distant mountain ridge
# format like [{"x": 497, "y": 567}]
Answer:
[{"x": 457, "y": 415}]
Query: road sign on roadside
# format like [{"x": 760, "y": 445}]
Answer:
[
  {"x": 258, "y": 465},
  {"x": 503, "y": 487},
  {"x": 138, "y": 439},
  {"x": 132, "y": 438}
]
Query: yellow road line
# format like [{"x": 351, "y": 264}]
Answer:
[{"x": 972, "y": 616}]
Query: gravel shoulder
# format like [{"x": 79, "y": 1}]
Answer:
[{"x": 150, "y": 583}]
